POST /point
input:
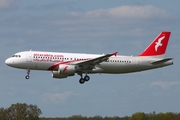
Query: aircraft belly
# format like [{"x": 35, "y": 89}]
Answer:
[{"x": 118, "y": 68}]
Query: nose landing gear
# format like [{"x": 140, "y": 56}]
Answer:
[{"x": 27, "y": 76}]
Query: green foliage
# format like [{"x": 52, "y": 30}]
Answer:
[
  {"x": 154, "y": 116},
  {"x": 138, "y": 116},
  {"x": 135, "y": 116},
  {"x": 20, "y": 111},
  {"x": 77, "y": 117}
]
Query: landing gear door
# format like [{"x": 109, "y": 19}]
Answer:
[{"x": 29, "y": 57}]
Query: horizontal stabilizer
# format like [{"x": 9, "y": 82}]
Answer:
[{"x": 161, "y": 61}]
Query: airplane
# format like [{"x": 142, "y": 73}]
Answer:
[{"x": 64, "y": 65}]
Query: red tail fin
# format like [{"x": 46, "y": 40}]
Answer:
[{"x": 158, "y": 46}]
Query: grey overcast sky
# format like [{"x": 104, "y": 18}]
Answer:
[{"x": 90, "y": 26}]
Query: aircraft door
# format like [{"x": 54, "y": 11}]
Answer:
[
  {"x": 138, "y": 62},
  {"x": 29, "y": 57}
]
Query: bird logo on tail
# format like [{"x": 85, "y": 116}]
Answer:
[{"x": 159, "y": 43}]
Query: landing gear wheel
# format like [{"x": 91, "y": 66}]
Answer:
[
  {"x": 81, "y": 81},
  {"x": 27, "y": 77},
  {"x": 86, "y": 78}
]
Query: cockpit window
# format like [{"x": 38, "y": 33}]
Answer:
[{"x": 18, "y": 56}]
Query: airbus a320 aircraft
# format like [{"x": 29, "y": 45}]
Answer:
[{"x": 64, "y": 65}]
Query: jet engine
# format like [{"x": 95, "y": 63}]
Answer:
[
  {"x": 55, "y": 74},
  {"x": 66, "y": 69}
]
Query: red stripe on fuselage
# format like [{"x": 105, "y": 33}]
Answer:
[{"x": 56, "y": 65}]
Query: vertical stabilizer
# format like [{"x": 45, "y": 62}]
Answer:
[{"x": 158, "y": 47}]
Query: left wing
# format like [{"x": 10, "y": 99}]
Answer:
[
  {"x": 90, "y": 64},
  {"x": 97, "y": 60}
]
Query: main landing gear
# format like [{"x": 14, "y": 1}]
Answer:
[
  {"x": 85, "y": 79},
  {"x": 27, "y": 76}
]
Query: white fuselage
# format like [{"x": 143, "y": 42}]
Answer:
[
  {"x": 64, "y": 65},
  {"x": 36, "y": 60}
]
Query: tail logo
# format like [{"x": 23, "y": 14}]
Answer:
[{"x": 159, "y": 43}]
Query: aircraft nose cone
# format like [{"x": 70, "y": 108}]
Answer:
[{"x": 8, "y": 62}]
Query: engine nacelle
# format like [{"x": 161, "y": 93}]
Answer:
[
  {"x": 68, "y": 70},
  {"x": 55, "y": 74}
]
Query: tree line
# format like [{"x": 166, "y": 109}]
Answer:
[
  {"x": 20, "y": 111},
  {"x": 79, "y": 117},
  {"x": 23, "y": 111},
  {"x": 135, "y": 116}
]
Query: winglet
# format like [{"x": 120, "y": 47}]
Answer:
[{"x": 115, "y": 54}]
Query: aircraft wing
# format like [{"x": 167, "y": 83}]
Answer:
[
  {"x": 91, "y": 63},
  {"x": 97, "y": 60}
]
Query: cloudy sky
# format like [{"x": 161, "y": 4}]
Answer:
[{"x": 90, "y": 26}]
